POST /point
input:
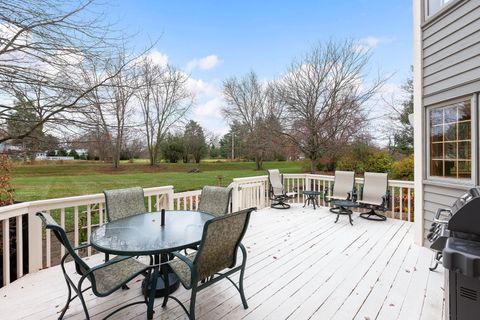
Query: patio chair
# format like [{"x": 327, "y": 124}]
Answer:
[
  {"x": 105, "y": 278},
  {"x": 215, "y": 200},
  {"x": 121, "y": 203},
  {"x": 343, "y": 187},
  {"x": 217, "y": 252},
  {"x": 375, "y": 196},
  {"x": 276, "y": 191}
]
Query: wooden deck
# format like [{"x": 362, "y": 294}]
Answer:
[{"x": 301, "y": 265}]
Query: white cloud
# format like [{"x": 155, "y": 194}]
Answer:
[
  {"x": 372, "y": 42},
  {"x": 158, "y": 57},
  {"x": 211, "y": 108},
  {"x": 205, "y": 63},
  {"x": 201, "y": 88}
]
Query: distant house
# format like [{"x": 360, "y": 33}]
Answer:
[{"x": 446, "y": 116}]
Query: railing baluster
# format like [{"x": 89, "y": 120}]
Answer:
[
  {"x": 100, "y": 214},
  {"x": 62, "y": 223},
  {"x": 48, "y": 246},
  {"x": 75, "y": 219},
  {"x": 149, "y": 201},
  {"x": 6, "y": 251},
  {"x": 409, "y": 199},
  {"x": 393, "y": 203},
  {"x": 19, "y": 221},
  {"x": 89, "y": 227},
  {"x": 401, "y": 203}
]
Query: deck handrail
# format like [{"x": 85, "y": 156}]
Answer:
[{"x": 88, "y": 211}]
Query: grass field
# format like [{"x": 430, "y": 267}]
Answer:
[{"x": 49, "y": 180}]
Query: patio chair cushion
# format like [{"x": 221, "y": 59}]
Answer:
[
  {"x": 121, "y": 203},
  {"x": 215, "y": 200},
  {"x": 343, "y": 184},
  {"x": 276, "y": 182},
  {"x": 374, "y": 188},
  {"x": 115, "y": 275},
  {"x": 182, "y": 270}
]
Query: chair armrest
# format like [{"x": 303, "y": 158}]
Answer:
[
  {"x": 326, "y": 193},
  {"x": 386, "y": 199},
  {"x": 184, "y": 259},
  {"x": 83, "y": 246}
]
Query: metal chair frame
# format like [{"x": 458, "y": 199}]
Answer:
[
  {"x": 195, "y": 288},
  {"x": 277, "y": 201},
  {"x": 150, "y": 272}
]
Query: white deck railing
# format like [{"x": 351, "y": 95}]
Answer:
[
  {"x": 83, "y": 213},
  {"x": 253, "y": 191}
]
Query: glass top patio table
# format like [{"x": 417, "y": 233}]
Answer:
[{"x": 142, "y": 234}]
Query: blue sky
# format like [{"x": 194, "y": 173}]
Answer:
[{"x": 214, "y": 40}]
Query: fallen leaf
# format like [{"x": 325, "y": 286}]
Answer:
[{"x": 391, "y": 305}]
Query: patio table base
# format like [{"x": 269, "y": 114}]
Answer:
[
  {"x": 342, "y": 211},
  {"x": 373, "y": 216},
  {"x": 160, "y": 290}
]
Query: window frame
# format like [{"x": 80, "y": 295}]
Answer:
[
  {"x": 427, "y": 17},
  {"x": 473, "y": 141}
]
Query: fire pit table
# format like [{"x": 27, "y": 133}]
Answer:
[{"x": 344, "y": 207}]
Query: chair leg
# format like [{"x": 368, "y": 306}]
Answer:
[
  {"x": 240, "y": 287},
  {"x": 69, "y": 299},
  {"x": 151, "y": 298},
  {"x": 84, "y": 305},
  {"x": 167, "y": 285},
  {"x": 193, "y": 298}
]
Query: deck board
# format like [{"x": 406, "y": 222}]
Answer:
[{"x": 301, "y": 265}]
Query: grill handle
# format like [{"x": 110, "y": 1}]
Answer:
[{"x": 437, "y": 218}]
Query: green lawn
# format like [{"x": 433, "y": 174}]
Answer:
[{"x": 49, "y": 180}]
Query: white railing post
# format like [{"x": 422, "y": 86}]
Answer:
[
  {"x": 35, "y": 253},
  {"x": 170, "y": 198}
]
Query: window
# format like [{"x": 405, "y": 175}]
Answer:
[
  {"x": 433, "y": 6},
  {"x": 451, "y": 141}
]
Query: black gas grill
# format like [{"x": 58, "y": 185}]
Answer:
[{"x": 455, "y": 236}]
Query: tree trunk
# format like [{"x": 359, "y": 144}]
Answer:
[
  {"x": 258, "y": 162},
  {"x": 313, "y": 165}
]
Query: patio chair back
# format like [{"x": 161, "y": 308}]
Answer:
[
  {"x": 121, "y": 203},
  {"x": 61, "y": 235},
  {"x": 215, "y": 200},
  {"x": 220, "y": 241},
  {"x": 375, "y": 187},
  {"x": 276, "y": 182},
  {"x": 343, "y": 184}
]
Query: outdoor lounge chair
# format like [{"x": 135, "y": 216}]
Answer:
[
  {"x": 121, "y": 203},
  {"x": 375, "y": 196},
  {"x": 105, "y": 278},
  {"x": 276, "y": 191},
  {"x": 215, "y": 200},
  {"x": 213, "y": 258}
]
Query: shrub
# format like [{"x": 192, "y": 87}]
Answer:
[
  {"x": 379, "y": 162},
  {"x": 403, "y": 169}
]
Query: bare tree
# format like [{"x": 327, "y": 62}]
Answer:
[
  {"x": 248, "y": 103},
  {"x": 324, "y": 94},
  {"x": 42, "y": 45},
  {"x": 164, "y": 99}
]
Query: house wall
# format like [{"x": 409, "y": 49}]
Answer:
[{"x": 450, "y": 66}]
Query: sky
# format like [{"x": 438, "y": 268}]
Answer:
[{"x": 215, "y": 40}]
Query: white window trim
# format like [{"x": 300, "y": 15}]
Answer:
[
  {"x": 427, "y": 18},
  {"x": 474, "y": 141}
]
